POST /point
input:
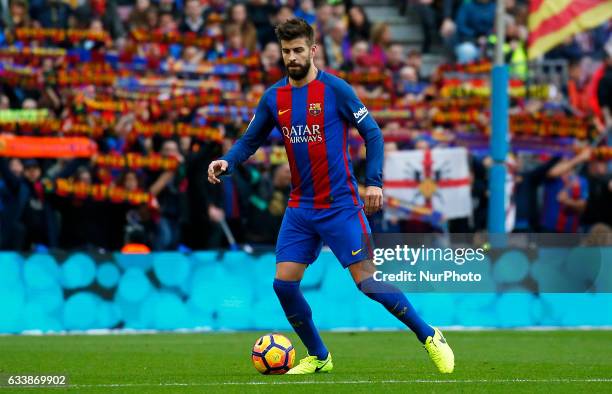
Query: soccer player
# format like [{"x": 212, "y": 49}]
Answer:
[{"x": 314, "y": 110}]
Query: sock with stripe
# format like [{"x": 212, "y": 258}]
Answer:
[
  {"x": 397, "y": 304},
  {"x": 299, "y": 314}
]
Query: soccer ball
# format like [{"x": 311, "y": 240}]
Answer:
[{"x": 273, "y": 354}]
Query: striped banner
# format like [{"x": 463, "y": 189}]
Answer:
[
  {"x": 46, "y": 147},
  {"x": 552, "y": 21}
]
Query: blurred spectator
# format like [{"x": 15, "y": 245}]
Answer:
[
  {"x": 569, "y": 50},
  {"x": 526, "y": 195},
  {"x": 600, "y": 194},
  {"x": 474, "y": 23},
  {"x": 604, "y": 88},
  {"x": 237, "y": 14},
  {"x": 50, "y": 13},
  {"x": 395, "y": 58},
  {"x": 359, "y": 25},
  {"x": 167, "y": 189},
  {"x": 5, "y": 102},
  {"x": 415, "y": 59},
  {"x": 306, "y": 11},
  {"x": 216, "y": 8},
  {"x": 261, "y": 13},
  {"x": 106, "y": 11},
  {"x": 448, "y": 15},
  {"x": 381, "y": 40},
  {"x": 267, "y": 214},
  {"x": 324, "y": 15},
  {"x": 29, "y": 218},
  {"x": 428, "y": 17},
  {"x": 231, "y": 203},
  {"x": 408, "y": 86},
  {"x": 337, "y": 45},
  {"x": 114, "y": 220},
  {"x": 167, "y": 23},
  {"x": 283, "y": 14},
  {"x": 19, "y": 16},
  {"x": 565, "y": 195},
  {"x": 234, "y": 43},
  {"x": 81, "y": 226},
  {"x": 169, "y": 7},
  {"x": 271, "y": 61},
  {"x": 193, "y": 20},
  {"x": 139, "y": 18},
  {"x": 339, "y": 11},
  {"x": 357, "y": 60},
  {"x": 514, "y": 50}
]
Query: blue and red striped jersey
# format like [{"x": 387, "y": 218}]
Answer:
[
  {"x": 314, "y": 120},
  {"x": 559, "y": 218}
]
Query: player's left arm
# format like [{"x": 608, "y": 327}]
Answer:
[
  {"x": 356, "y": 113},
  {"x": 255, "y": 135}
]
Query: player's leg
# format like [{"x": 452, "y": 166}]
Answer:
[
  {"x": 347, "y": 234},
  {"x": 390, "y": 297},
  {"x": 297, "y": 310},
  {"x": 297, "y": 246}
]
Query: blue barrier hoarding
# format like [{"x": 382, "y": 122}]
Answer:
[{"x": 233, "y": 290}]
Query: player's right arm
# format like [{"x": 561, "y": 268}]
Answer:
[{"x": 256, "y": 133}]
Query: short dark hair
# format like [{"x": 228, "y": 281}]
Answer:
[{"x": 295, "y": 28}]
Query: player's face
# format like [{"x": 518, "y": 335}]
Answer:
[{"x": 297, "y": 56}]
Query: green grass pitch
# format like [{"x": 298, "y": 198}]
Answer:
[{"x": 486, "y": 362}]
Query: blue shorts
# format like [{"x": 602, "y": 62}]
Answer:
[{"x": 304, "y": 230}]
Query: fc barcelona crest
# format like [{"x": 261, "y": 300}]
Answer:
[{"x": 314, "y": 109}]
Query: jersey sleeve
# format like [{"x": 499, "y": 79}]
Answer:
[
  {"x": 255, "y": 135},
  {"x": 356, "y": 114}
]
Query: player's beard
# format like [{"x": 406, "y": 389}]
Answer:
[{"x": 298, "y": 71}]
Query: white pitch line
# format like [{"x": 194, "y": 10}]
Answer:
[{"x": 425, "y": 381}]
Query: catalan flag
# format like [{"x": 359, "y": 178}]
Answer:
[{"x": 552, "y": 21}]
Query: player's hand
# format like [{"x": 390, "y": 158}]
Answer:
[
  {"x": 216, "y": 168},
  {"x": 373, "y": 199}
]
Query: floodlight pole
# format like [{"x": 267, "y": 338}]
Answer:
[{"x": 499, "y": 127}]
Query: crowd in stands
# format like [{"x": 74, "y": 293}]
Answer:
[{"x": 223, "y": 77}]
